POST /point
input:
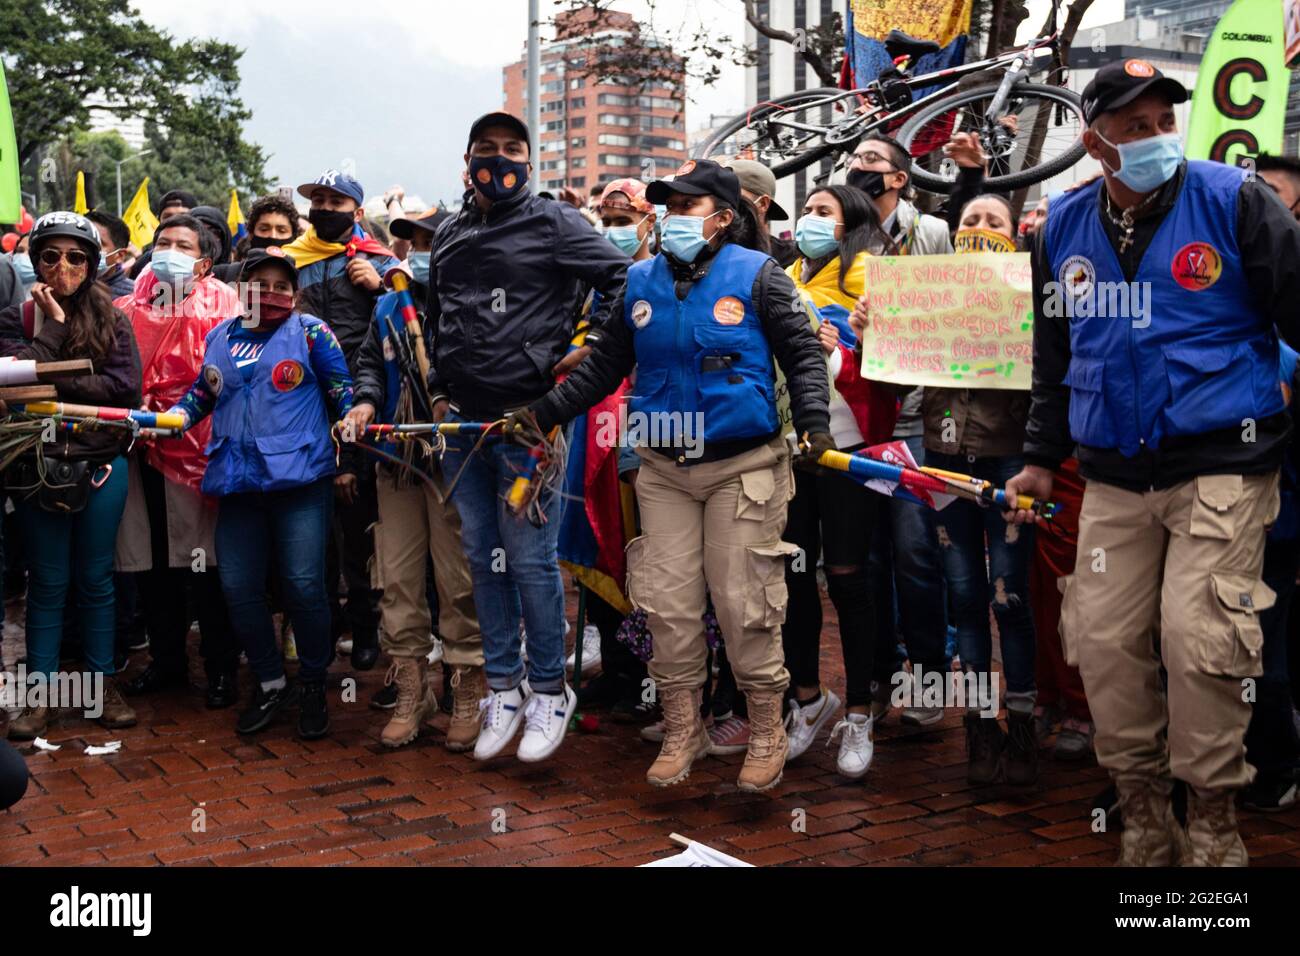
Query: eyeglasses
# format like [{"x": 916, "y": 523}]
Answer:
[
  {"x": 870, "y": 157},
  {"x": 74, "y": 257}
]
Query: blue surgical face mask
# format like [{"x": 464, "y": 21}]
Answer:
[
  {"x": 625, "y": 239},
  {"x": 1147, "y": 164},
  {"x": 26, "y": 271},
  {"x": 683, "y": 236},
  {"x": 815, "y": 236},
  {"x": 173, "y": 267},
  {"x": 419, "y": 263}
]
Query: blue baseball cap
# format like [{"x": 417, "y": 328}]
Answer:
[{"x": 341, "y": 183}]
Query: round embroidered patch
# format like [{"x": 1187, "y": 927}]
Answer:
[
  {"x": 1139, "y": 68},
  {"x": 1197, "y": 266},
  {"x": 641, "y": 312},
  {"x": 729, "y": 310},
  {"x": 1076, "y": 276},
  {"x": 686, "y": 168},
  {"x": 286, "y": 376},
  {"x": 484, "y": 176},
  {"x": 212, "y": 378},
  {"x": 509, "y": 180}
]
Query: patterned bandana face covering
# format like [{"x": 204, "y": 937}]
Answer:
[
  {"x": 981, "y": 240},
  {"x": 64, "y": 278}
]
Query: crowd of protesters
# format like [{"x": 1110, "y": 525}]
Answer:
[{"x": 1147, "y": 622}]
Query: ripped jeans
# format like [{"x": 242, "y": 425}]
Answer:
[{"x": 1002, "y": 582}]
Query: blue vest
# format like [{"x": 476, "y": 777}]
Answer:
[
  {"x": 271, "y": 432},
  {"x": 1207, "y": 359},
  {"x": 706, "y": 353}
]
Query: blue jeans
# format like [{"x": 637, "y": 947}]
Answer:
[
  {"x": 292, "y": 525},
  {"x": 962, "y": 528},
  {"x": 72, "y": 553},
  {"x": 905, "y": 565},
  {"x": 514, "y": 566}
]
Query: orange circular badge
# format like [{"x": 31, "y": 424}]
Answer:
[
  {"x": 1139, "y": 68},
  {"x": 729, "y": 310},
  {"x": 286, "y": 376},
  {"x": 483, "y": 176},
  {"x": 1197, "y": 266},
  {"x": 509, "y": 180},
  {"x": 686, "y": 168}
]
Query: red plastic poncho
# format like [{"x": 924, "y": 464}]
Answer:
[{"x": 171, "y": 340}]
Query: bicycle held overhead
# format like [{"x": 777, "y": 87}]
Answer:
[{"x": 1030, "y": 131}]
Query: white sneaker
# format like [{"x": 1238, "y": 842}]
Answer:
[
  {"x": 435, "y": 655},
  {"x": 343, "y": 645},
  {"x": 503, "y": 712},
  {"x": 590, "y": 651},
  {"x": 856, "y": 747},
  {"x": 546, "y": 720},
  {"x": 804, "y": 722}
]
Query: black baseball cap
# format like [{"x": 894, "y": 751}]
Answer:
[
  {"x": 697, "y": 177},
  {"x": 428, "y": 221},
  {"x": 177, "y": 197},
  {"x": 497, "y": 119},
  {"x": 260, "y": 257},
  {"x": 1120, "y": 83}
]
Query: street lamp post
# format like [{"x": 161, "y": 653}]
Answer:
[{"x": 118, "y": 164}]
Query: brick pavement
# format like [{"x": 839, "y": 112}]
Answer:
[{"x": 275, "y": 800}]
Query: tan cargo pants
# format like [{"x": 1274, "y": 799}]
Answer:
[
  {"x": 411, "y": 522},
  {"x": 714, "y": 527},
  {"x": 1182, "y": 567}
]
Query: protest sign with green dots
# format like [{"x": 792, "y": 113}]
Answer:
[{"x": 956, "y": 321}]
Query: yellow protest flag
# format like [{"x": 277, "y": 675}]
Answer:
[
  {"x": 140, "y": 218},
  {"x": 79, "y": 206}
]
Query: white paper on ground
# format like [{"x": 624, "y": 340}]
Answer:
[
  {"x": 40, "y": 743},
  {"x": 112, "y": 747},
  {"x": 697, "y": 854}
]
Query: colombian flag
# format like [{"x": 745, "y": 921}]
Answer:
[
  {"x": 235, "y": 219},
  {"x": 946, "y": 22}
]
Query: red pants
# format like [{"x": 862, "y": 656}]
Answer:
[{"x": 1054, "y": 551}]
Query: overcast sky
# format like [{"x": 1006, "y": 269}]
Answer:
[{"x": 391, "y": 86}]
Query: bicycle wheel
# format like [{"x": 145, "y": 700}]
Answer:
[
  {"x": 1050, "y": 114},
  {"x": 786, "y": 134}
]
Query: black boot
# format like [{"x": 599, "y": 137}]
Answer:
[
  {"x": 985, "y": 742},
  {"x": 222, "y": 690},
  {"x": 1022, "y": 749},
  {"x": 365, "y": 651},
  {"x": 313, "y": 718},
  {"x": 154, "y": 678}
]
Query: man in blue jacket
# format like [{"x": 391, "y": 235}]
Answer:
[
  {"x": 503, "y": 282},
  {"x": 1158, "y": 289}
]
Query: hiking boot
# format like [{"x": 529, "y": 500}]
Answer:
[
  {"x": 768, "y": 743},
  {"x": 1212, "y": 829},
  {"x": 684, "y": 738},
  {"x": 313, "y": 716},
  {"x": 117, "y": 713},
  {"x": 1021, "y": 754},
  {"x": 415, "y": 701},
  {"x": 985, "y": 742},
  {"x": 33, "y": 722},
  {"x": 468, "y": 687},
  {"x": 1152, "y": 836}
]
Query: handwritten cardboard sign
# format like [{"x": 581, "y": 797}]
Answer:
[{"x": 957, "y": 321}]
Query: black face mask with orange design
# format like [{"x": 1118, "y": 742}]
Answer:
[{"x": 497, "y": 177}]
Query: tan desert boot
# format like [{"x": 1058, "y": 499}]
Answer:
[
  {"x": 1152, "y": 835},
  {"x": 1212, "y": 829},
  {"x": 415, "y": 702},
  {"x": 768, "y": 744},
  {"x": 468, "y": 687},
  {"x": 117, "y": 712},
  {"x": 685, "y": 740}
]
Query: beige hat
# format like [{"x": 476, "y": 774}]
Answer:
[{"x": 758, "y": 179}]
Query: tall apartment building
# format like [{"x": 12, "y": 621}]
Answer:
[
  {"x": 778, "y": 70},
  {"x": 594, "y": 130}
]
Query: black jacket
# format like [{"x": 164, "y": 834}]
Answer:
[
  {"x": 1268, "y": 238},
  {"x": 502, "y": 289},
  {"x": 785, "y": 323}
]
